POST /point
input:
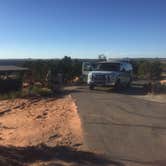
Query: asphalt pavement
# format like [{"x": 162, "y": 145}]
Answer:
[{"x": 124, "y": 128}]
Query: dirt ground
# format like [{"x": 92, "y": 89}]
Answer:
[
  {"x": 31, "y": 122},
  {"x": 38, "y": 125}
]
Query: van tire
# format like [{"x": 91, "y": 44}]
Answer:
[
  {"x": 129, "y": 83},
  {"x": 91, "y": 87},
  {"x": 117, "y": 85}
]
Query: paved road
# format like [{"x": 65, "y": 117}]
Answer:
[{"x": 125, "y": 128}]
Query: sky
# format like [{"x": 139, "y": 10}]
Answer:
[{"x": 82, "y": 28}]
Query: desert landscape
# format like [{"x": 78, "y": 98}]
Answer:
[{"x": 82, "y": 83}]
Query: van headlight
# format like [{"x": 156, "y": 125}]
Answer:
[{"x": 91, "y": 77}]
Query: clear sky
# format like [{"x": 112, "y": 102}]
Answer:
[{"x": 82, "y": 28}]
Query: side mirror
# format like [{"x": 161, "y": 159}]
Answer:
[{"x": 122, "y": 70}]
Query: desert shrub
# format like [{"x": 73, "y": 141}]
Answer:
[
  {"x": 149, "y": 70},
  {"x": 24, "y": 93},
  {"x": 155, "y": 70},
  {"x": 38, "y": 69},
  {"x": 37, "y": 91},
  {"x": 66, "y": 66},
  {"x": 10, "y": 95},
  {"x": 144, "y": 69},
  {"x": 70, "y": 68}
]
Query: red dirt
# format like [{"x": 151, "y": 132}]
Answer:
[{"x": 30, "y": 122}]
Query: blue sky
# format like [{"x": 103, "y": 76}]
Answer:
[{"x": 82, "y": 28}]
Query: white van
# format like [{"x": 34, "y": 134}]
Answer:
[{"x": 110, "y": 73}]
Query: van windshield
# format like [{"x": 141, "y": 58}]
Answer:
[{"x": 108, "y": 67}]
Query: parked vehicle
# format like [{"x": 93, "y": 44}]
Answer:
[{"x": 111, "y": 73}]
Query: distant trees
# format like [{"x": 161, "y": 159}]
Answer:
[
  {"x": 148, "y": 69},
  {"x": 68, "y": 67},
  {"x": 156, "y": 70},
  {"x": 144, "y": 69},
  {"x": 38, "y": 69},
  {"x": 71, "y": 68}
]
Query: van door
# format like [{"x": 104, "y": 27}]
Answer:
[
  {"x": 124, "y": 75},
  {"x": 86, "y": 68}
]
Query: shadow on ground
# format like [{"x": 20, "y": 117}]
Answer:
[
  {"x": 51, "y": 156},
  {"x": 133, "y": 90}
]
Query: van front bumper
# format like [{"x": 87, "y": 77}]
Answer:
[{"x": 101, "y": 83}]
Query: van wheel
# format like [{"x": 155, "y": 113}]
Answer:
[
  {"x": 129, "y": 83},
  {"x": 91, "y": 87},
  {"x": 117, "y": 85}
]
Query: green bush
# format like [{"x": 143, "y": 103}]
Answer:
[
  {"x": 37, "y": 91},
  {"x": 10, "y": 95},
  {"x": 149, "y": 70},
  {"x": 34, "y": 91},
  {"x": 66, "y": 66}
]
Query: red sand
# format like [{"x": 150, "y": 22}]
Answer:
[{"x": 51, "y": 121}]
